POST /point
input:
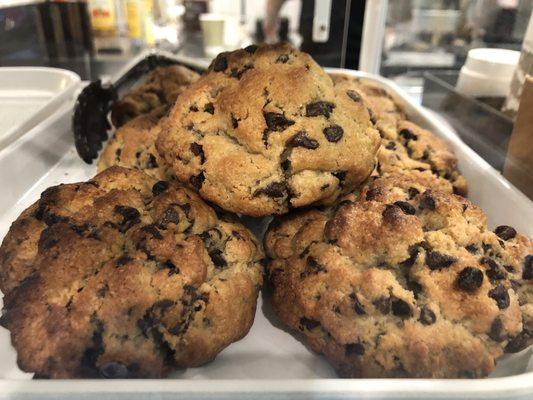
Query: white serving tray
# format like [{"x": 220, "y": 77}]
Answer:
[
  {"x": 268, "y": 362},
  {"x": 28, "y": 95}
]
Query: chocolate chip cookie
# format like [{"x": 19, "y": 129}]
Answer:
[
  {"x": 160, "y": 88},
  {"x": 133, "y": 146},
  {"x": 265, "y": 131},
  {"x": 125, "y": 276},
  {"x": 404, "y": 281},
  {"x": 404, "y": 145}
]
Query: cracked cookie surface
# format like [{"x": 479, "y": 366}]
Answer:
[
  {"x": 133, "y": 146},
  {"x": 264, "y": 131},
  {"x": 161, "y": 88},
  {"x": 125, "y": 276},
  {"x": 403, "y": 281},
  {"x": 405, "y": 146}
]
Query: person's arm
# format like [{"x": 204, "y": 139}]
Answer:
[{"x": 270, "y": 22}]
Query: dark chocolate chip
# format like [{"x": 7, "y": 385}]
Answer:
[
  {"x": 47, "y": 239},
  {"x": 251, "y": 48},
  {"x": 505, "y": 232},
  {"x": 220, "y": 63},
  {"x": 527, "y": 272},
  {"x": 383, "y": 304},
  {"x": 333, "y": 133},
  {"x": 277, "y": 122},
  {"x": 494, "y": 271},
  {"x": 312, "y": 267},
  {"x": 470, "y": 279},
  {"x": 218, "y": 259},
  {"x": 401, "y": 308},
  {"x": 209, "y": 108},
  {"x": 118, "y": 152},
  {"x": 413, "y": 192},
  {"x": 373, "y": 193},
  {"x": 198, "y": 150},
  {"x": 274, "y": 190},
  {"x": 340, "y": 175},
  {"x": 114, "y": 370},
  {"x": 130, "y": 215},
  {"x": 308, "y": 324},
  {"x": 234, "y": 122},
  {"x": 123, "y": 260},
  {"x": 169, "y": 216},
  {"x": 159, "y": 187},
  {"x": 197, "y": 180},
  {"x": 355, "y": 349},
  {"x": 282, "y": 58},
  {"x": 518, "y": 343},
  {"x": 495, "y": 332},
  {"x": 152, "y": 162},
  {"x": 500, "y": 295},
  {"x": 414, "y": 287},
  {"x": 357, "y": 306},
  {"x": 193, "y": 108},
  {"x": 391, "y": 214},
  {"x": 427, "y": 316},
  {"x": 302, "y": 140},
  {"x": 407, "y": 134},
  {"x": 372, "y": 116},
  {"x": 352, "y": 94},
  {"x": 319, "y": 108},
  {"x": 413, "y": 254},
  {"x": 406, "y": 207},
  {"x": 152, "y": 230},
  {"x": 390, "y": 145},
  {"x": 436, "y": 260},
  {"x": 427, "y": 201},
  {"x": 472, "y": 248}
]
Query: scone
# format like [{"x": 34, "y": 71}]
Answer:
[
  {"x": 160, "y": 88},
  {"x": 265, "y": 131},
  {"x": 402, "y": 282},
  {"x": 405, "y": 146},
  {"x": 133, "y": 146},
  {"x": 125, "y": 276}
]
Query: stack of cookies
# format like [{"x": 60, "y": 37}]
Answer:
[{"x": 374, "y": 257}]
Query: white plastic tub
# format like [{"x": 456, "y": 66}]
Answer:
[
  {"x": 269, "y": 362},
  {"x": 29, "y": 95}
]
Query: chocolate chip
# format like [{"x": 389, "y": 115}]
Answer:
[
  {"x": 354, "y": 349},
  {"x": 113, "y": 370},
  {"x": 470, "y": 279},
  {"x": 527, "y": 272},
  {"x": 47, "y": 239},
  {"x": 130, "y": 215},
  {"x": 501, "y": 296},
  {"x": 371, "y": 116},
  {"x": 390, "y": 145},
  {"x": 427, "y": 202},
  {"x": 234, "y": 122},
  {"x": 413, "y": 254},
  {"x": 220, "y": 63},
  {"x": 312, "y": 267},
  {"x": 172, "y": 268},
  {"x": 198, "y": 151},
  {"x": 197, "y": 180},
  {"x": 169, "y": 216},
  {"x": 340, "y": 175},
  {"x": 505, "y": 232},
  {"x": 383, "y": 304},
  {"x": 152, "y": 162},
  {"x": 302, "y": 140},
  {"x": 373, "y": 193},
  {"x": 408, "y": 134},
  {"x": 406, "y": 207},
  {"x": 333, "y": 133},
  {"x": 274, "y": 190},
  {"x": 209, "y": 108},
  {"x": 218, "y": 259},
  {"x": 518, "y": 343},
  {"x": 277, "y": 122},
  {"x": 391, "y": 214},
  {"x": 352, "y": 94},
  {"x": 414, "y": 287},
  {"x": 193, "y": 108},
  {"x": 118, "y": 152},
  {"x": 251, "y": 48},
  {"x": 436, "y": 260},
  {"x": 494, "y": 271},
  {"x": 427, "y": 317},
  {"x": 282, "y": 58},
  {"x": 152, "y": 230},
  {"x": 495, "y": 332},
  {"x": 401, "y": 308},
  {"x": 159, "y": 187},
  {"x": 319, "y": 108},
  {"x": 357, "y": 306},
  {"x": 472, "y": 248},
  {"x": 123, "y": 260},
  {"x": 308, "y": 324},
  {"x": 413, "y": 192}
]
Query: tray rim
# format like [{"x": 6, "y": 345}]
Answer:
[{"x": 512, "y": 387}]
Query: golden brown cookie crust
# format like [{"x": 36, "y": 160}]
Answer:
[
  {"x": 124, "y": 276},
  {"x": 264, "y": 130},
  {"x": 403, "y": 281}
]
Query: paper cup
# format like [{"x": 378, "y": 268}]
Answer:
[{"x": 213, "y": 29}]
